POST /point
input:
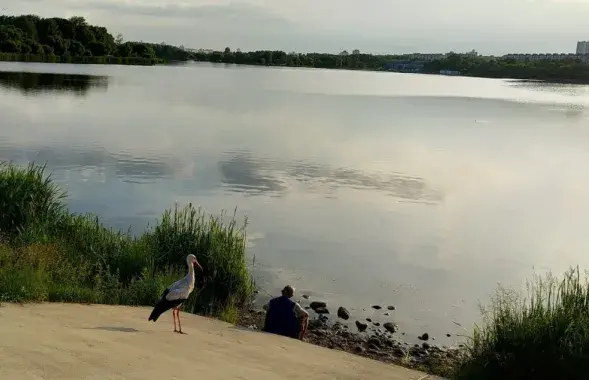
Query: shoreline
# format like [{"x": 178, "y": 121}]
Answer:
[
  {"x": 380, "y": 341},
  {"x": 129, "y": 61}
]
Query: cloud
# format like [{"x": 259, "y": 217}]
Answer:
[{"x": 330, "y": 25}]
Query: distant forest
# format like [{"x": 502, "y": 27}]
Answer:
[{"x": 73, "y": 39}]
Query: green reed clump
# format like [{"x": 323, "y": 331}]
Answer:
[
  {"x": 220, "y": 248},
  {"x": 49, "y": 254},
  {"x": 542, "y": 336},
  {"x": 26, "y": 197}
]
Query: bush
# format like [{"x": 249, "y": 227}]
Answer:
[
  {"x": 543, "y": 336},
  {"x": 50, "y": 254}
]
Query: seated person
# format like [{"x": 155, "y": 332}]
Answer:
[{"x": 286, "y": 317}]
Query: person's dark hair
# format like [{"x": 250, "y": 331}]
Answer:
[{"x": 288, "y": 291}]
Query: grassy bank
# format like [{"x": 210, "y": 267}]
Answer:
[
  {"x": 50, "y": 254},
  {"x": 542, "y": 336}
]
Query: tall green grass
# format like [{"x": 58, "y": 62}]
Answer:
[
  {"x": 50, "y": 254},
  {"x": 542, "y": 336}
]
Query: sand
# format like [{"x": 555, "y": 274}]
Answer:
[{"x": 68, "y": 341}]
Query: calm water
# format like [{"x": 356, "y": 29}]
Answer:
[{"x": 361, "y": 188}]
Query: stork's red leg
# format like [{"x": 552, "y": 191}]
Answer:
[
  {"x": 179, "y": 324},
  {"x": 174, "y": 317}
]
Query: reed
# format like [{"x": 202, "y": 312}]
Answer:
[
  {"x": 544, "y": 335},
  {"x": 50, "y": 254}
]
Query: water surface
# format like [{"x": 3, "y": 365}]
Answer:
[{"x": 361, "y": 188}]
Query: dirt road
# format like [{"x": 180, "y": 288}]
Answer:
[{"x": 67, "y": 341}]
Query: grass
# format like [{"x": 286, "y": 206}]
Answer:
[
  {"x": 542, "y": 336},
  {"x": 50, "y": 254}
]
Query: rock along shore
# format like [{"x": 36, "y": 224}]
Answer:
[{"x": 368, "y": 339}]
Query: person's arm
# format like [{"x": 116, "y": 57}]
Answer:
[
  {"x": 303, "y": 318},
  {"x": 266, "y": 319}
]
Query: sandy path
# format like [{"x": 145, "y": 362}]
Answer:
[{"x": 66, "y": 341}]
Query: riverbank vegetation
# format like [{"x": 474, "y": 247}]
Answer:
[
  {"x": 50, "y": 254},
  {"x": 542, "y": 336},
  {"x": 35, "y": 39},
  {"x": 489, "y": 67},
  {"x": 571, "y": 70}
]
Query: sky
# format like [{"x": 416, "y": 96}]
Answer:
[{"x": 374, "y": 26}]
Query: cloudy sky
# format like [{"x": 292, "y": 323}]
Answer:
[{"x": 377, "y": 26}]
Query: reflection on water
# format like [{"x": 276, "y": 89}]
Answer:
[
  {"x": 244, "y": 173},
  {"x": 40, "y": 83},
  {"x": 127, "y": 167},
  {"x": 418, "y": 191}
]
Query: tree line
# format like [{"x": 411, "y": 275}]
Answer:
[
  {"x": 73, "y": 40},
  {"x": 281, "y": 58},
  {"x": 490, "y": 67},
  {"x": 573, "y": 70}
]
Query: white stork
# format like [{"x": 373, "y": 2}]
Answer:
[{"x": 176, "y": 294}]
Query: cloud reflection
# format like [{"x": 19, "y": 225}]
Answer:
[
  {"x": 240, "y": 173},
  {"x": 255, "y": 176},
  {"x": 125, "y": 166}
]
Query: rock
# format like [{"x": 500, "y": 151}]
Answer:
[
  {"x": 425, "y": 346},
  {"x": 265, "y": 307},
  {"x": 373, "y": 347},
  {"x": 391, "y": 307},
  {"x": 359, "y": 349},
  {"x": 343, "y": 313},
  {"x": 399, "y": 352},
  {"x": 307, "y": 307},
  {"x": 376, "y": 307},
  {"x": 316, "y": 324},
  {"x": 317, "y": 304},
  {"x": 390, "y": 327},
  {"x": 320, "y": 332},
  {"x": 387, "y": 314},
  {"x": 256, "y": 291},
  {"x": 425, "y": 336},
  {"x": 321, "y": 310},
  {"x": 306, "y": 296},
  {"x": 374, "y": 341},
  {"x": 448, "y": 335},
  {"x": 361, "y": 326},
  {"x": 369, "y": 320},
  {"x": 376, "y": 324}
]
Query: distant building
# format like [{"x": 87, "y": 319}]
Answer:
[
  {"x": 404, "y": 66},
  {"x": 583, "y": 47},
  {"x": 424, "y": 57},
  {"x": 355, "y": 51},
  {"x": 344, "y": 53},
  {"x": 450, "y": 72},
  {"x": 543, "y": 57}
]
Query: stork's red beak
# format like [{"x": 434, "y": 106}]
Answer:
[{"x": 196, "y": 264}]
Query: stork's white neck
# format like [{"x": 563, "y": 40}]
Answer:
[{"x": 190, "y": 274}]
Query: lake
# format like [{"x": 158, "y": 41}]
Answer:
[{"x": 361, "y": 188}]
